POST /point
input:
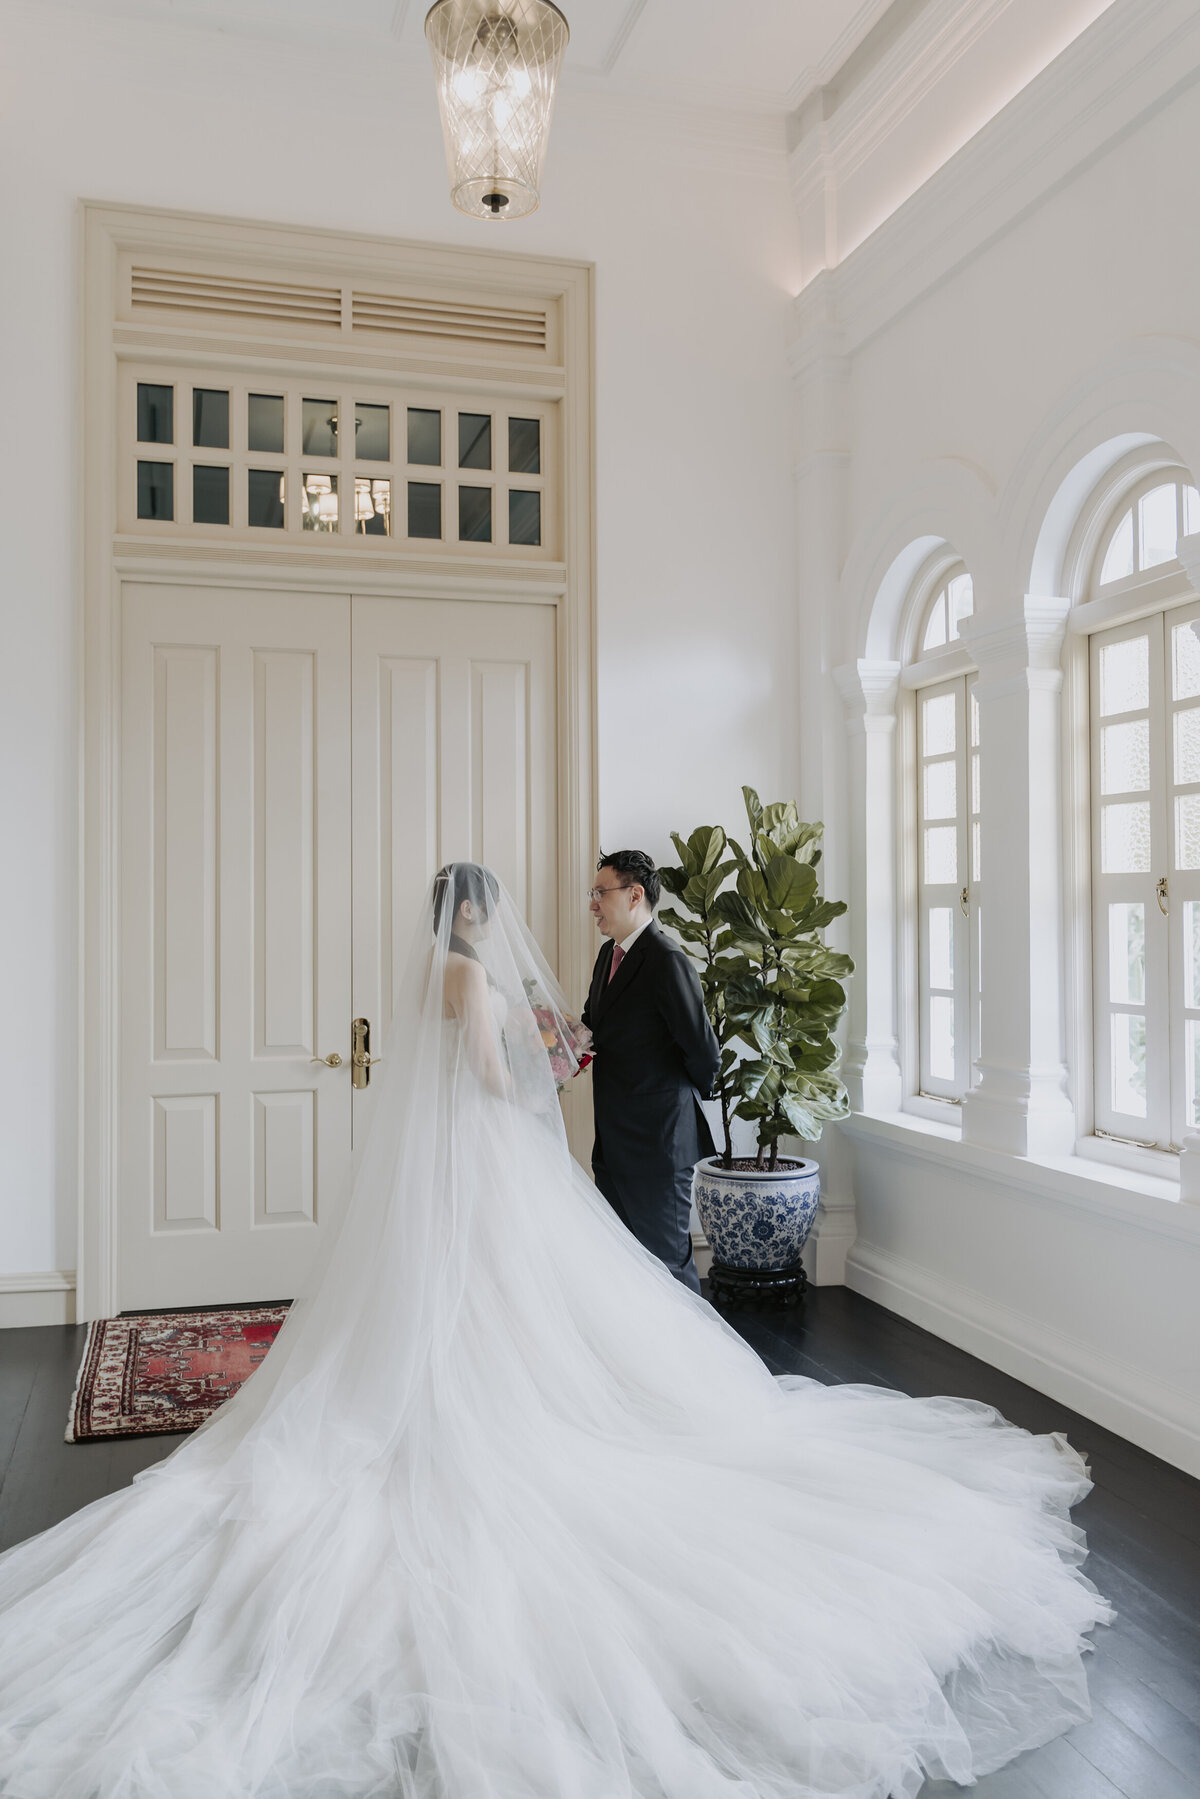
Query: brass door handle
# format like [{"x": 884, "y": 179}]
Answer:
[
  {"x": 361, "y": 1059},
  {"x": 964, "y": 900},
  {"x": 333, "y": 1061},
  {"x": 1160, "y": 893}
]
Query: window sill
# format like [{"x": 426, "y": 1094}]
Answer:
[{"x": 1124, "y": 1196}]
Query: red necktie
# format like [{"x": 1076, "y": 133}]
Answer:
[{"x": 618, "y": 952}]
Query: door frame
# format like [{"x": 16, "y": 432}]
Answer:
[{"x": 110, "y": 236}]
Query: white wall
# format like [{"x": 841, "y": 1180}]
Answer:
[
  {"x": 1038, "y": 297},
  {"x": 692, "y": 238}
]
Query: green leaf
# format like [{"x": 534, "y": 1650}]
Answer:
[
  {"x": 790, "y": 884},
  {"x": 706, "y": 845},
  {"x": 754, "y": 809}
]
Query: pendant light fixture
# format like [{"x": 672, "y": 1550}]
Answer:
[{"x": 496, "y": 63}]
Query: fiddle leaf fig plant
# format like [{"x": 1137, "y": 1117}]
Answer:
[{"x": 772, "y": 988}]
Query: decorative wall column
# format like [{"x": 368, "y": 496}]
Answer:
[
  {"x": 1021, "y": 1102},
  {"x": 871, "y": 1069},
  {"x": 820, "y": 376}
]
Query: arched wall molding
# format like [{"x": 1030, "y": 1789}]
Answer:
[
  {"x": 1145, "y": 400},
  {"x": 949, "y": 503}
]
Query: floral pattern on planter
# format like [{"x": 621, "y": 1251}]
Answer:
[{"x": 756, "y": 1218}]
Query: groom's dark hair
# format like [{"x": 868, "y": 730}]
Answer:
[{"x": 634, "y": 865}]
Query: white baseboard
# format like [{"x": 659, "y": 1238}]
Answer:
[
  {"x": 1162, "y": 1419},
  {"x": 32, "y": 1299}
]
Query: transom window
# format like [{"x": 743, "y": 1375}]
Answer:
[
  {"x": 949, "y": 885},
  {"x": 1145, "y": 533},
  {"x": 422, "y": 469},
  {"x": 952, "y": 601}
]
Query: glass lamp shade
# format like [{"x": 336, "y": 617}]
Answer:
[{"x": 496, "y": 64}]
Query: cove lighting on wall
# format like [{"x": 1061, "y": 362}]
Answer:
[{"x": 496, "y": 64}]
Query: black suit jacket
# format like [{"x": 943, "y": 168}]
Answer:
[{"x": 656, "y": 1057}]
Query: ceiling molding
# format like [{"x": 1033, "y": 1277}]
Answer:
[
  {"x": 820, "y": 74},
  {"x": 621, "y": 36},
  {"x": 1133, "y": 59}
]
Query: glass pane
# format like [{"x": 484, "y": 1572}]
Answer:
[
  {"x": 1192, "y": 1055},
  {"x": 264, "y": 493},
  {"x": 1129, "y": 1063},
  {"x": 424, "y": 437},
  {"x": 1187, "y": 830},
  {"x": 1159, "y": 526},
  {"x": 941, "y": 947},
  {"x": 941, "y": 790},
  {"x": 973, "y": 708},
  {"x": 372, "y": 507},
  {"x": 474, "y": 440},
  {"x": 960, "y": 600},
  {"x": 1191, "y": 951},
  {"x": 1191, "y": 510},
  {"x": 1187, "y": 745},
  {"x": 156, "y": 412},
  {"x": 524, "y": 516},
  {"x": 935, "y": 630},
  {"x": 524, "y": 446},
  {"x": 320, "y": 502},
  {"x": 1185, "y": 660},
  {"x": 938, "y": 726},
  {"x": 941, "y": 855},
  {"x": 210, "y": 496},
  {"x": 264, "y": 423},
  {"x": 1127, "y": 953},
  {"x": 1125, "y": 839},
  {"x": 210, "y": 418},
  {"x": 424, "y": 509},
  {"x": 372, "y": 432},
  {"x": 975, "y": 851},
  {"x": 475, "y": 514},
  {"x": 1125, "y": 757},
  {"x": 1118, "y": 563},
  {"x": 319, "y": 427},
  {"x": 975, "y": 781},
  {"x": 941, "y": 1037},
  {"x": 1125, "y": 675},
  {"x": 156, "y": 489}
]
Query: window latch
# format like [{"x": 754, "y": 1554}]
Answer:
[
  {"x": 964, "y": 900},
  {"x": 1160, "y": 890}
]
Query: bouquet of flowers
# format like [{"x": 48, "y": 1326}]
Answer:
[{"x": 567, "y": 1042}]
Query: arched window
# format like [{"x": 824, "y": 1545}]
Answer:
[
  {"x": 1143, "y": 534},
  {"x": 1144, "y": 704},
  {"x": 953, "y": 600},
  {"x": 947, "y": 838}
]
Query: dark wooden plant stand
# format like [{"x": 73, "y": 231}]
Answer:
[{"x": 761, "y": 1288}]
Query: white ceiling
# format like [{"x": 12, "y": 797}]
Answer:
[{"x": 744, "y": 55}]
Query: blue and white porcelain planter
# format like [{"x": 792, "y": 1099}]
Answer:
[{"x": 757, "y": 1222}]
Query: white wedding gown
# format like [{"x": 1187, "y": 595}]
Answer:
[{"x": 509, "y": 1514}]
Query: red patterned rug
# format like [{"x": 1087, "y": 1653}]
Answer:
[{"x": 155, "y": 1372}]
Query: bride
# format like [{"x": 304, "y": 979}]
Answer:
[{"x": 507, "y": 1513}]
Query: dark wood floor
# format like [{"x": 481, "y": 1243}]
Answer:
[{"x": 1142, "y": 1520}]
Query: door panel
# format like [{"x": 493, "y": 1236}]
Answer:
[
  {"x": 454, "y": 733},
  {"x": 235, "y": 962}
]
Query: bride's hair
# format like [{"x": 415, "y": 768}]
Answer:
[{"x": 460, "y": 881}]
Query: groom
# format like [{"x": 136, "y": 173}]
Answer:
[{"x": 656, "y": 1058}]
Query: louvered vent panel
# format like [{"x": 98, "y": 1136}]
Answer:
[
  {"x": 288, "y": 302},
  {"x": 461, "y": 321}
]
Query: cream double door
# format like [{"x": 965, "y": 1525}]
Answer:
[{"x": 294, "y": 769}]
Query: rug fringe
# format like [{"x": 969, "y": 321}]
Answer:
[{"x": 84, "y": 1362}]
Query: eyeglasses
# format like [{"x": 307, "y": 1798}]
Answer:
[{"x": 593, "y": 893}]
